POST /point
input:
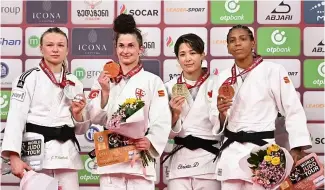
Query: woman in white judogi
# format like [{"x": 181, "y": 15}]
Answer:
[
  {"x": 192, "y": 165},
  {"x": 40, "y": 103},
  {"x": 132, "y": 82},
  {"x": 260, "y": 90}
]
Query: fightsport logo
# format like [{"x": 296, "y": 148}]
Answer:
[
  {"x": 93, "y": 13},
  {"x": 319, "y": 48},
  {"x": 138, "y": 12},
  {"x": 280, "y": 12}
]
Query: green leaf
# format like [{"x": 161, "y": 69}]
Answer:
[{"x": 251, "y": 161}]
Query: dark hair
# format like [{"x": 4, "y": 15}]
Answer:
[
  {"x": 250, "y": 33},
  {"x": 53, "y": 30},
  {"x": 191, "y": 39},
  {"x": 125, "y": 24}
]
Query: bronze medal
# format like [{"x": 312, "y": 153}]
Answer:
[
  {"x": 227, "y": 91},
  {"x": 112, "y": 68}
]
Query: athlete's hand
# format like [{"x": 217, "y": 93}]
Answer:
[
  {"x": 223, "y": 104},
  {"x": 176, "y": 104},
  {"x": 18, "y": 167}
]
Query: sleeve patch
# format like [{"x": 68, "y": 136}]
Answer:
[
  {"x": 18, "y": 95},
  {"x": 286, "y": 80},
  {"x": 161, "y": 93}
]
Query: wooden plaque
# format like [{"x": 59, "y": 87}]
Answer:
[{"x": 112, "y": 148}]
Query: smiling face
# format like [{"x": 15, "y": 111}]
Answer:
[
  {"x": 240, "y": 43},
  {"x": 54, "y": 48},
  {"x": 128, "y": 49},
  {"x": 189, "y": 60}
]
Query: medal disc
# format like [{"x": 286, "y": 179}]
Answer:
[
  {"x": 112, "y": 68},
  {"x": 227, "y": 91},
  {"x": 72, "y": 91},
  {"x": 180, "y": 90}
]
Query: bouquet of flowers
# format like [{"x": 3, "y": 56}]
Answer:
[
  {"x": 130, "y": 107},
  {"x": 268, "y": 165},
  {"x": 130, "y": 112}
]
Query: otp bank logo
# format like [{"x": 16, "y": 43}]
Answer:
[
  {"x": 169, "y": 42},
  {"x": 123, "y": 9}
]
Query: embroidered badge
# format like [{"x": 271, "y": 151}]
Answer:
[
  {"x": 210, "y": 94},
  {"x": 139, "y": 93},
  {"x": 161, "y": 93},
  {"x": 93, "y": 94},
  {"x": 286, "y": 80},
  {"x": 215, "y": 71}
]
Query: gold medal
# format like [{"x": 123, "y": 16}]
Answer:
[{"x": 180, "y": 90}]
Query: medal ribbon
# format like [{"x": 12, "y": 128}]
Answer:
[
  {"x": 257, "y": 59},
  {"x": 131, "y": 73},
  {"x": 199, "y": 82},
  {"x": 51, "y": 76}
]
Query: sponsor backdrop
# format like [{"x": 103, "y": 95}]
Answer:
[{"x": 288, "y": 32}]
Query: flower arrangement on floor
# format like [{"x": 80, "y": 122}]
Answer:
[{"x": 268, "y": 166}]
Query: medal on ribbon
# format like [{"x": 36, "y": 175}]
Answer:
[
  {"x": 112, "y": 68},
  {"x": 226, "y": 89},
  {"x": 182, "y": 88},
  {"x": 69, "y": 88}
]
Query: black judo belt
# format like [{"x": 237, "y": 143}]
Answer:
[
  {"x": 60, "y": 133},
  {"x": 193, "y": 143},
  {"x": 242, "y": 137}
]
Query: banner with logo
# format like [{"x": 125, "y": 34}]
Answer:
[{"x": 288, "y": 32}]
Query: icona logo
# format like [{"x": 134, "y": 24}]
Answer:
[
  {"x": 123, "y": 9},
  {"x": 169, "y": 42},
  {"x": 33, "y": 41},
  {"x": 80, "y": 73}
]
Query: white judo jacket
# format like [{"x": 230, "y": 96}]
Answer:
[
  {"x": 266, "y": 90},
  {"x": 41, "y": 102},
  {"x": 194, "y": 120},
  {"x": 156, "y": 113}
]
